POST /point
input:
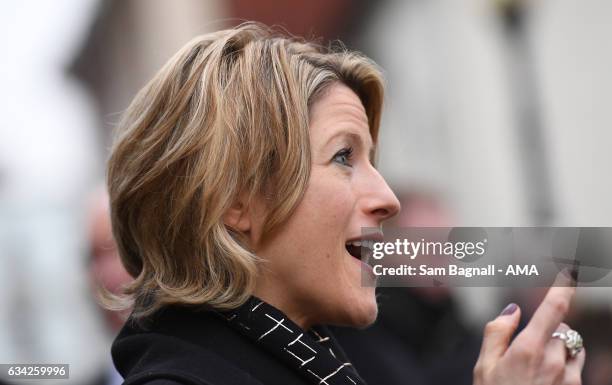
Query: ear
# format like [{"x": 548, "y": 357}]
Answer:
[{"x": 238, "y": 217}]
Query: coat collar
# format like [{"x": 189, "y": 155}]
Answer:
[{"x": 314, "y": 353}]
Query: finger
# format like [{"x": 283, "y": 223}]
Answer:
[
  {"x": 574, "y": 365},
  {"x": 497, "y": 334},
  {"x": 573, "y": 370},
  {"x": 552, "y": 310},
  {"x": 562, "y": 328},
  {"x": 553, "y": 367}
]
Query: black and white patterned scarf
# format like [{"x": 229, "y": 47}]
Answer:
[{"x": 309, "y": 353}]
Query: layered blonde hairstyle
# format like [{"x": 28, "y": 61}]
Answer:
[{"x": 226, "y": 117}]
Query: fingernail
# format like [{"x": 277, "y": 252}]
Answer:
[
  {"x": 574, "y": 273},
  {"x": 509, "y": 309}
]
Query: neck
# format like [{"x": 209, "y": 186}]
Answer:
[{"x": 274, "y": 294}]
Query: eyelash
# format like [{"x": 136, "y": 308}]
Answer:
[{"x": 346, "y": 152}]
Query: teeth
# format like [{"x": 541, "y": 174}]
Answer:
[{"x": 366, "y": 243}]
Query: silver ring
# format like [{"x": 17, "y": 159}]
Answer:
[{"x": 573, "y": 341}]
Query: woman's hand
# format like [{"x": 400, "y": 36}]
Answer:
[{"x": 533, "y": 357}]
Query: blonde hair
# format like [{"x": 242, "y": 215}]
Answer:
[{"x": 226, "y": 115}]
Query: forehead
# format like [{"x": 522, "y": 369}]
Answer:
[{"x": 338, "y": 109}]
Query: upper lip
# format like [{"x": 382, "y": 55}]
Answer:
[{"x": 374, "y": 236}]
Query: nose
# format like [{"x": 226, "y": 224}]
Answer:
[{"x": 380, "y": 200}]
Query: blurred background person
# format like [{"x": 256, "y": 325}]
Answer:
[{"x": 107, "y": 273}]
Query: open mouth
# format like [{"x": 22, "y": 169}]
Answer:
[{"x": 359, "y": 249}]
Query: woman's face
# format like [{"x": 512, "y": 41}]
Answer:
[{"x": 310, "y": 274}]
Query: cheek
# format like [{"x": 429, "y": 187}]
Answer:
[
  {"x": 314, "y": 235},
  {"x": 330, "y": 208},
  {"x": 325, "y": 214},
  {"x": 330, "y": 201}
]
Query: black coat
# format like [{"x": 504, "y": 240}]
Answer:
[{"x": 182, "y": 346}]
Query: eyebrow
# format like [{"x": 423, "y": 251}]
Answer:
[{"x": 358, "y": 138}]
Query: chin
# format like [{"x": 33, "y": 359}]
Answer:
[
  {"x": 363, "y": 313},
  {"x": 365, "y": 321}
]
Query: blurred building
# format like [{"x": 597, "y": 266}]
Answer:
[{"x": 499, "y": 108}]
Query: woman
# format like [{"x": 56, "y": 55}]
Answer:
[{"x": 239, "y": 183}]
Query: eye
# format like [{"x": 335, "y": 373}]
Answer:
[{"x": 344, "y": 156}]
